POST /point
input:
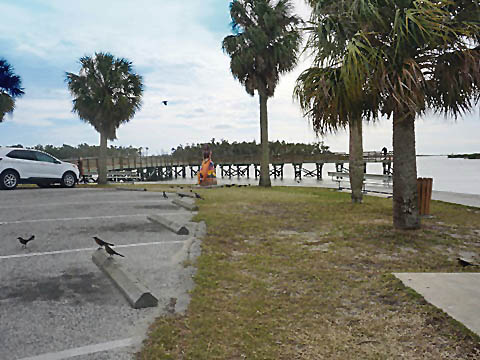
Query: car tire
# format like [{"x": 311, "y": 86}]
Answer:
[
  {"x": 9, "y": 180},
  {"x": 69, "y": 180}
]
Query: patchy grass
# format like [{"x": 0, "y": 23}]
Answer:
[{"x": 301, "y": 273}]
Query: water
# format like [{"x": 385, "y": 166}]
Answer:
[{"x": 454, "y": 175}]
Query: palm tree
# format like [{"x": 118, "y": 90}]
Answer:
[
  {"x": 325, "y": 102},
  {"x": 106, "y": 94},
  {"x": 414, "y": 55},
  {"x": 264, "y": 46},
  {"x": 322, "y": 91},
  {"x": 10, "y": 88}
]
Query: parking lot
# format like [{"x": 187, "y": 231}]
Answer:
[{"x": 54, "y": 302}]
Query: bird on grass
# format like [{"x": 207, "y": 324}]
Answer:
[
  {"x": 24, "y": 242},
  {"x": 101, "y": 243},
  {"x": 165, "y": 102},
  {"x": 112, "y": 252},
  {"x": 198, "y": 196},
  {"x": 464, "y": 262},
  {"x": 165, "y": 195}
]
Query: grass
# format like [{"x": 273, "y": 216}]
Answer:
[{"x": 301, "y": 273}]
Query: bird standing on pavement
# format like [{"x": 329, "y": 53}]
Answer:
[
  {"x": 112, "y": 252},
  {"x": 165, "y": 195},
  {"x": 101, "y": 243},
  {"x": 24, "y": 242}
]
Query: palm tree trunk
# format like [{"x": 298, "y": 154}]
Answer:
[
  {"x": 265, "y": 160},
  {"x": 356, "y": 159},
  {"x": 405, "y": 195},
  {"x": 102, "y": 160}
]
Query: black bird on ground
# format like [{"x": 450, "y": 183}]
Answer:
[
  {"x": 165, "y": 195},
  {"x": 198, "y": 196},
  {"x": 165, "y": 102},
  {"x": 112, "y": 252},
  {"x": 101, "y": 243},
  {"x": 464, "y": 262},
  {"x": 24, "y": 242}
]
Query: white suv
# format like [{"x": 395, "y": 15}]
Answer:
[{"x": 30, "y": 166}]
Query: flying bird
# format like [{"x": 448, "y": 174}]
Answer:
[
  {"x": 165, "y": 102},
  {"x": 101, "y": 243},
  {"x": 24, "y": 242},
  {"x": 112, "y": 252},
  {"x": 165, "y": 195}
]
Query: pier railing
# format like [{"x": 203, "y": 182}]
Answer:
[{"x": 89, "y": 166}]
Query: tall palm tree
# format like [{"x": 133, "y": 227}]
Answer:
[
  {"x": 10, "y": 88},
  {"x": 322, "y": 92},
  {"x": 264, "y": 46},
  {"x": 326, "y": 103},
  {"x": 414, "y": 55},
  {"x": 106, "y": 93}
]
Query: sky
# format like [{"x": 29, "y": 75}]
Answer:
[{"x": 176, "y": 47}]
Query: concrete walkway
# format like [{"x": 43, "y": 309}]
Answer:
[
  {"x": 457, "y": 198},
  {"x": 457, "y": 294},
  {"x": 472, "y": 200}
]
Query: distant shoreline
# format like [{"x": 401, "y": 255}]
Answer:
[{"x": 465, "y": 156}]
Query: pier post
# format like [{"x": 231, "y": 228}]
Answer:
[
  {"x": 257, "y": 171},
  {"x": 319, "y": 170},
  {"x": 298, "y": 171}
]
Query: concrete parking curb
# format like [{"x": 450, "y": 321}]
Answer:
[
  {"x": 188, "y": 206},
  {"x": 136, "y": 293},
  {"x": 171, "y": 225}
]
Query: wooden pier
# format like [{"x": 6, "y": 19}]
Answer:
[{"x": 157, "y": 168}]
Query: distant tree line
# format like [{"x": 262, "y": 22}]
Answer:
[
  {"x": 224, "y": 149},
  {"x": 84, "y": 150},
  {"x": 220, "y": 149},
  {"x": 465, "y": 156}
]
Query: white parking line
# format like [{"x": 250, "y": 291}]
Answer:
[
  {"x": 88, "y": 249},
  {"x": 86, "y": 218},
  {"x": 85, "y": 350},
  {"x": 81, "y": 203}
]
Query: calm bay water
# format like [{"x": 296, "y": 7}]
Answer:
[{"x": 454, "y": 175}]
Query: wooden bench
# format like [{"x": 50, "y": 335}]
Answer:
[{"x": 376, "y": 178}]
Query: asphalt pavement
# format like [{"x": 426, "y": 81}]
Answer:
[{"x": 54, "y": 302}]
